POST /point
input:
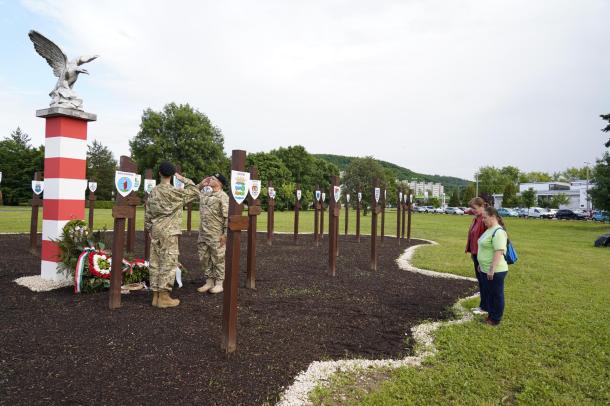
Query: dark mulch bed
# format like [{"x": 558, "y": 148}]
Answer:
[{"x": 60, "y": 348}]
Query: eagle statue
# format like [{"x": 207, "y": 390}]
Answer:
[{"x": 66, "y": 71}]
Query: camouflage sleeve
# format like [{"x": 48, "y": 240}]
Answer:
[
  {"x": 225, "y": 212},
  {"x": 191, "y": 191},
  {"x": 147, "y": 216}
]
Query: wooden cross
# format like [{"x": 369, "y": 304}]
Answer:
[
  {"x": 297, "y": 206},
  {"x": 91, "y": 207},
  {"x": 316, "y": 217},
  {"x": 147, "y": 175},
  {"x": 334, "y": 208},
  {"x": 270, "y": 214},
  {"x": 254, "y": 209},
  {"x": 375, "y": 209},
  {"x": 121, "y": 211},
  {"x": 358, "y": 214},
  {"x": 383, "y": 193},
  {"x": 237, "y": 223},
  {"x": 398, "y": 212},
  {"x": 36, "y": 202},
  {"x": 410, "y": 209}
]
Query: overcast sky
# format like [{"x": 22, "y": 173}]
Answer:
[{"x": 440, "y": 87}]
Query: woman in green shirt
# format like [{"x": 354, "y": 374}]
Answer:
[{"x": 492, "y": 247}]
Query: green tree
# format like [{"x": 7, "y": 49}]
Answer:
[
  {"x": 559, "y": 200},
  {"x": 574, "y": 173},
  {"x": 491, "y": 180},
  {"x": 535, "y": 177},
  {"x": 101, "y": 166},
  {"x": 359, "y": 175},
  {"x": 454, "y": 200},
  {"x": 18, "y": 162},
  {"x": 509, "y": 197},
  {"x": 606, "y": 129},
  {"x": 600, "y": 193},
  {"x": 434, "y": 202},
  {"x": 182, "y": 135},
  {"x": 270, "y": 168},
  {"x": 307, "y": 170},
  {"x": 528, "y": 198},
  {"x": 469, "y": 194}
]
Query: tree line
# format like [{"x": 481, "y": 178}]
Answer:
[{"x": 184, "y": 135}]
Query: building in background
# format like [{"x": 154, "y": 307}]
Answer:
[
  {"x": 426, "y": 190},
  {"x": 576, "y": 192}
]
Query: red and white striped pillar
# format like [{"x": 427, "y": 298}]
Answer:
[{"x": 65, "y": 179}]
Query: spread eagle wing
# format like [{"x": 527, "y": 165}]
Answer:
[
  {"x": 49, "y": 51},
  {"x": 86, "y": 59}
]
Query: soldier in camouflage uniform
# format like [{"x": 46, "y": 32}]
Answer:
[
  {"x": 211, "y": 244},
  {"x": 163, "y": 221}
]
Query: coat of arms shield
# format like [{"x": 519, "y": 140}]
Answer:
[
  {"x": 377, "y": 194},
  {"x": 255, "y": 188},
  {"x": 37, "y": 186},
  {"x": 318, "y": 195},
  {"x": 149, "y": 185},
  {"x": 298, "y": 194},
  {"x": 239, "y": 185},
  {"x": 92, "y": 187},
  {"x": 337, "y": 193},
  {"x": 136, "y": 182},
  {"x": 124, "y": 182}
]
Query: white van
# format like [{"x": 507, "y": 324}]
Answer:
[{"x": 536, "y": 212}]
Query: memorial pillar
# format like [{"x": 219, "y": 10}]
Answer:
[{"x": 65, "y": 182}]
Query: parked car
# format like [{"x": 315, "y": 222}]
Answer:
[
  {"x": 522, "y": 212},
  {"x": 454, "y": 210},
  {"x": 566, "y": 214},
  {"x": 599, "y": 215},
  {"x": 550, "y": 214},
  {"x": 420, "y": 209},
  {"x": 583, "y": 213},
  {"x": 506, "y": 212},
  {"x": 536, "y": 212}
]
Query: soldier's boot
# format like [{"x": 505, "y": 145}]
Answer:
[
  {"x": 166, "y": 301},
  {"x": 155, "y": 299},
  {"x": 209, "y": 284},
  {"x": 217, "y": 286}
]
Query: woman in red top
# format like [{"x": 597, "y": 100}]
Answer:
[{"x": 477, "y": 228}]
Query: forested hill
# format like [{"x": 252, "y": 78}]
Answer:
[{"x": 401, "y": 173}]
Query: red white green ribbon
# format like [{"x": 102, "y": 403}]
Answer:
[{"x": 80, "y": 268}]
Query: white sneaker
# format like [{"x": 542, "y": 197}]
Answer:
[{"x": 478, "y": 310}]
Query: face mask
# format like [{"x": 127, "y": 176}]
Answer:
[{"x": 207, "y": 190}]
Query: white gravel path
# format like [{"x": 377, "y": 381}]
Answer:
[{"x": 320, "y": 372}]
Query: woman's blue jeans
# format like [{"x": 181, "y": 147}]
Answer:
[{"x": 495, "y": 295}]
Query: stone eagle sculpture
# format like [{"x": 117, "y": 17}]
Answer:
[{"x": 66, "y": 71}]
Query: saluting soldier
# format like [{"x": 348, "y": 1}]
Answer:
[
  {"x": 163, "y": 220},
  {"x": 211, "y": 244}
]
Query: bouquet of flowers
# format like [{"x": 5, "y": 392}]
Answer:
[{"x": 84, "y": 259}]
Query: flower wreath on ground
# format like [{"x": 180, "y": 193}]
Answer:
[{"x": 83, "y": 258}]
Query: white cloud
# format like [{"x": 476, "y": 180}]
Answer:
[{"x": 436, "y": 86}]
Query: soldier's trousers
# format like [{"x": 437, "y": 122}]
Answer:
[
  {"x": 163, "y": 262},
  {"x": 212, "y": 259}
]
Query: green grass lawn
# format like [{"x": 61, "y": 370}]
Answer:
[{"x": 553, "y": 346}]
